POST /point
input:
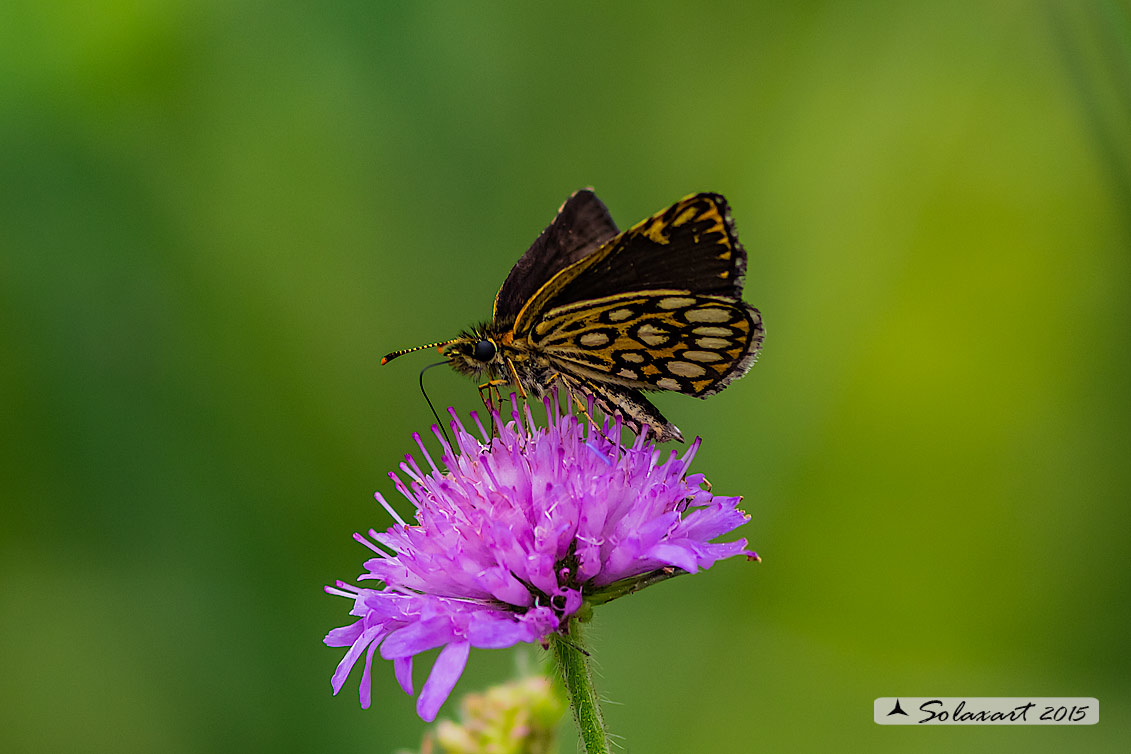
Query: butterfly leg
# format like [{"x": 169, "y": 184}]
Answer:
[
  {"x": 491, "y": 396},
  {"x": 515, "y": 379}
]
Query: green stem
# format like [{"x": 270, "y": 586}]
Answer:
[
  {"x": 633, "y": 584},
  {"x": 573, "y": 664}
]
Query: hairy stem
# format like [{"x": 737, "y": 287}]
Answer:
[{"x": 573, "y": 664}]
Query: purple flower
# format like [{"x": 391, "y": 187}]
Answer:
[{"x": 514, "y": 536}]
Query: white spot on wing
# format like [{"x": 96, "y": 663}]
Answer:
[
  {"x": 703, "y": 356},
  {"x": 675, "y": 302},
  {"x": 713, "y": 343},
  {"x": 651, "y": 335},
  {"x": 667, "y": 383},
  {"x": 620, "y": 315},
  {"x": 720, "y": 332},
  {"x": 593, "y": 339},
  {"x": 686, "y": 369},
  {"x": 708, "y": 314}
]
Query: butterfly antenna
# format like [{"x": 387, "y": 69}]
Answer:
[
  {"x": 390, "y": 356},
  {"x": 428, "y": 400}
]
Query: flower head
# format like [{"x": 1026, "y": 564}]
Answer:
[{"x": 512, "y": 539}]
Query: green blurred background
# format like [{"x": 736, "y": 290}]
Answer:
[{"x": 215, "y": 217}]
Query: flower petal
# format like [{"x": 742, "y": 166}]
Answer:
[
  {"x": 674, "y": 555},
  {"x": 365, "y": 690},
  {"x": 344, "y": 636},
  {"x": 402, "y": 670},
  {"x": 446, "y": 671},
  {"x": 346, "y": 665},
  {"x": 417, "y": 637}
]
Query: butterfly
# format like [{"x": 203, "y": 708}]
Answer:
[{"x": 609, "y": 315}]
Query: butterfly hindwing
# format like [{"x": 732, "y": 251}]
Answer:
[
  {"x": 582, "y": 226},
  {"x": 653, "y": 340}
]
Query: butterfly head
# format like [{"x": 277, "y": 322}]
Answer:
[{"x": 475, "y": 353}]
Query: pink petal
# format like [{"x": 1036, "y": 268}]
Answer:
[
  {"x": 366, "y": 690},
  {"x": 347, "y": 663},
  {"x": 446, "y": 671},
  {"x": 416, "y": 638},
  {"x": 402, "y": 669}
]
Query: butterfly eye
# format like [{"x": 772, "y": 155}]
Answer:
[{"x": 484, "y": 350}]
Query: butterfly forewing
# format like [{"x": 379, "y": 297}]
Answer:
[
  {"x": 582, "y": 226},
  {"x": 653, "y": 340},
  {"x": 689, "y": 246}
]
